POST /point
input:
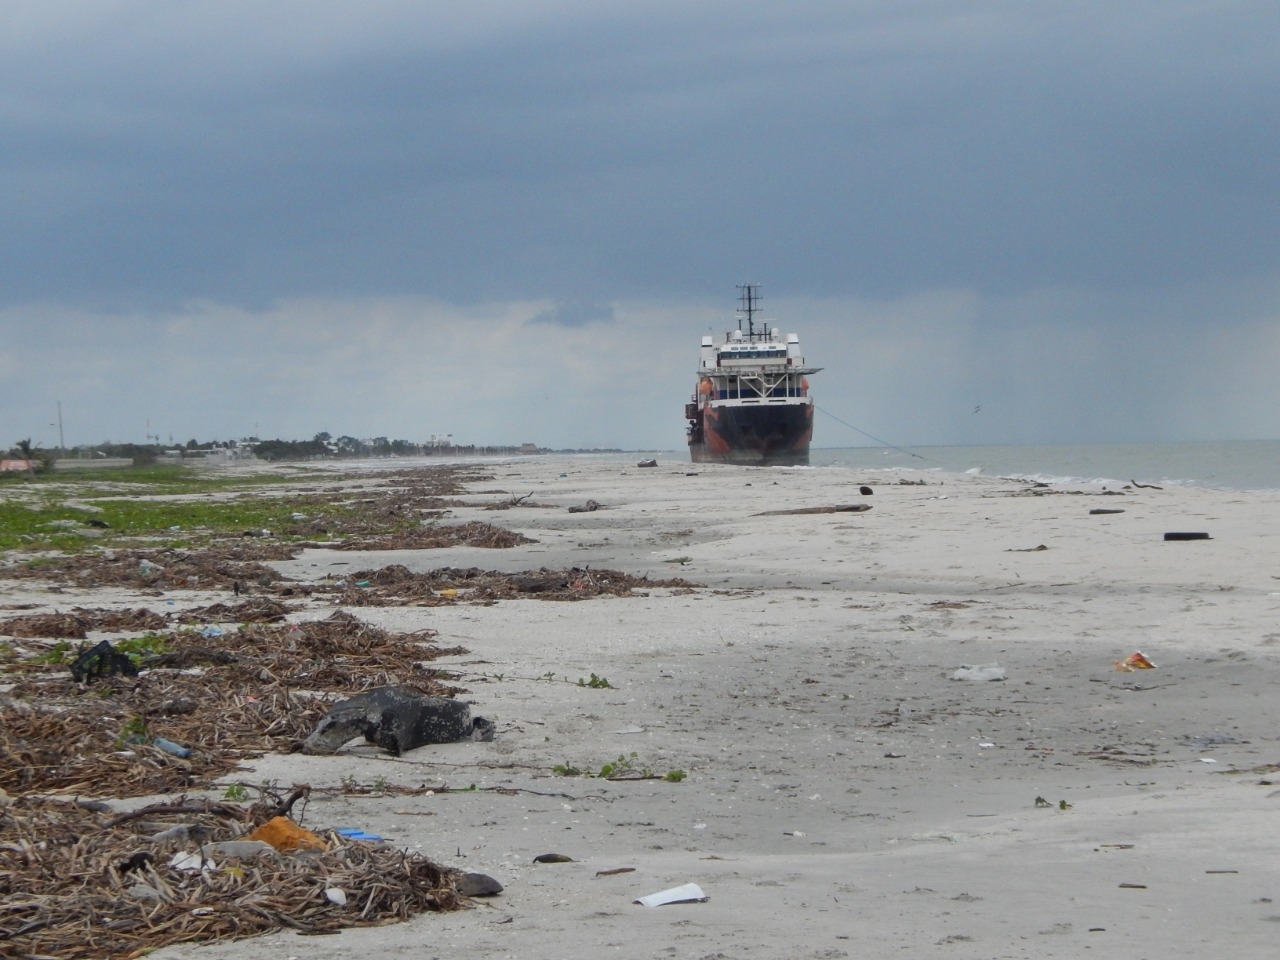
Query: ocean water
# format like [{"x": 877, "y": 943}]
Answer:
[{"x": 1226, "y": 465}]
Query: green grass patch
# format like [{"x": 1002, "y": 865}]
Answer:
[{"x": 47, "y": 513}]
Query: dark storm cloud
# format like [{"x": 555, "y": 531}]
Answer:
[
  {"x": 325, "y": 214},
  {"x": 862, "y": 147},
  {"x": 575, "y": 315}
]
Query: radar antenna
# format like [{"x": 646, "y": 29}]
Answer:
[{"x": 750, "y": 306}]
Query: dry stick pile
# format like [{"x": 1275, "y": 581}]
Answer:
[
  {"x": 437, "y": 536},
  {"x": 255, "y": 692},
  {"x": 396, "y": 585},
  {"x": 75, "y": 883}
]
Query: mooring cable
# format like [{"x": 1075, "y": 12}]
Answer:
[{"x": 884, "y": 443}]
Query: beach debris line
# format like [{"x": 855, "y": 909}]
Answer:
[
  {"x": 59, "y": 735},
  {"x": 83, "y": 883},
  {"x": 395, "y": 584},
  {"x": 398, "y": 719}
]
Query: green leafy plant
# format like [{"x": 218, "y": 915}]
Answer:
[
  {"x": 237, "y": 793},
  {"x": 57, "y": 654},
  {"x": 134, "y": 731},
  {"x": 624, "y": 764},
  {"x": 146, "y": 645},
  {"x": 624, "y": 767},
  {"x": 596, "y": 683}
]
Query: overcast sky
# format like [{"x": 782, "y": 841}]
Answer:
[{"x": 513, "y": 221}]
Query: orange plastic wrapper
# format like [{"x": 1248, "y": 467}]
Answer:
[
  {"x": 283, "y": 834},
  {"x": 1135, "y": 661}
]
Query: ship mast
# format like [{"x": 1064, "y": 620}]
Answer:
[{"x": 750, "y": 306}]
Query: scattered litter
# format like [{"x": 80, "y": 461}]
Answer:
[
  {"x": 1187, "y": 536},
  {"x": 793, "y": 833},
  {"x": 336, "y": 895},
  {"x": 985, "y": 746},
  {"x": 552, "y": 858},
  {"x": 168, "y": 746},
  {"x": 191, "y": 861},
  {"x": 101, "y": 661},
  {"x": 283, "y": 834},
  {"x": 647, "y": 463},
  {"x": 238, "y": 849},
  {"x": 1211, "y": 740},
  {"x": 1133, "y": 886},
  {"x": 615, "y": 871},
  {"x": 982, "y": 672},
  {"x": 348, "y": 833},
  {"x": 687, "y": 893},
  {"x": 1134, "y": 661},
  {"x": 1035, "y": 549},
  {"x": 589, "y": 507},
  {"x": 396, "y": 719},
  {"x": 477, "y": 885},
  {"x": 1207, "y": 760},
  {"x": 1101, "y": 510}
]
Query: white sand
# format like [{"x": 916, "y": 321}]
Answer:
[{"x": 845, "y": 797}]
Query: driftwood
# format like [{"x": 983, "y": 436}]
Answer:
[
  {"x": 1144, "y": 486},
  {"x": 841, "y": 508}
]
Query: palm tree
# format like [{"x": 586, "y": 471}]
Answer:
[{"x": 28, "y": 454}]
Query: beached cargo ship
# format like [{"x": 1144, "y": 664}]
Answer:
[{"x": 751, "y": 405}]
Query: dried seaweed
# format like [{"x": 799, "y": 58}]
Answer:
[
  {"x": 163, "y": 569},
  {"x": 75, "y": 883},
  {"x": 397, "y": 585},
  {"x": 436, "y": 536},
  {"x": 257, "y": 690}
]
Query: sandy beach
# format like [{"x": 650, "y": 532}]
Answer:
[{"x": 844, "y": 794}]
